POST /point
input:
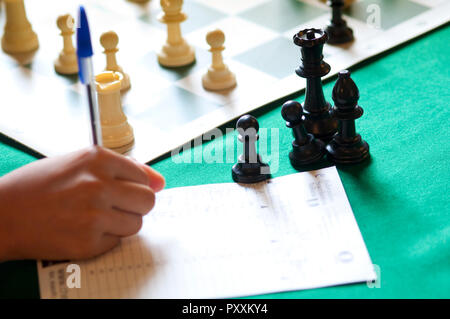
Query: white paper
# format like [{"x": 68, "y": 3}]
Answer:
[{"x": 229, "y": 240}]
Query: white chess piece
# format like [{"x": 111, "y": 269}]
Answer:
[
  {"x": 19, "y": 36},
  {"x": 109, "y": 40},
  {"x": 176, "y": 51},
  {"x": 67, "y": 62},
  {"x": 116, "y": 131},
  {"x": 218, "y": 77}
]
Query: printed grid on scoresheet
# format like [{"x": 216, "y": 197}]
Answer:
[
  {"x": 163, "y": 101},
  {"x": 170, "y": 257}
]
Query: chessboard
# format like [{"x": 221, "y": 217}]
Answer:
[{"x": 167, "y": 108}]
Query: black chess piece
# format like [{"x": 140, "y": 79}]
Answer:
[
  {"x": 317, "y": 111},
  {"x": 306, "y": 148},
  {"x": 250, "y": 168},
  {"x": 347, "y": 147},
  {"x": 338, "y": 31}
]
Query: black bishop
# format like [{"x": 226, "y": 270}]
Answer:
[{"x": 347, "y": 147}]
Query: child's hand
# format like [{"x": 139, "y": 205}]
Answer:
[{"x": 74, "y": 206}]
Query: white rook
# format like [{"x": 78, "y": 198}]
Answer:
[{"x": 116, "y": 131}]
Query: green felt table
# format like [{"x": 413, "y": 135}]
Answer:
[{"x": 400, "y": 198}]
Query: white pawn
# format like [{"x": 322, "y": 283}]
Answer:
[
  {"x": 109, "y": 41},
  {"x": 218, "y": 77},
  {"x": 117, "y": 134},
  {"x": 176, "y": 51},
  {"x": 67, "y": 62},
  {"x": 19, "y": 36}
]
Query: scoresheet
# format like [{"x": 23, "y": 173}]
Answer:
[{"x": 228, "y": 240}]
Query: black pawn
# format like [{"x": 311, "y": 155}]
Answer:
[
  {"x": 306, "y": 149},
  {"x": 347, "y": 147},
  {"x": 338, "y": 30},
  {"x": 318, "y": 119},
  {"x": 250, "y": 168}
]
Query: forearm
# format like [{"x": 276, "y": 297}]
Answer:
[
  {"x": 7, "y": 237},
  {"x": 5, "y": 250}
]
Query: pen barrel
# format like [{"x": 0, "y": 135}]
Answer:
[{"x": 87, "y": 78}]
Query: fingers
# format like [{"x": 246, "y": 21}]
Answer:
[
  {"x": 106, "y": 243},
  {"x": 126, "y": 194},
  {"x": 101, "y": 244},
  {"x": 157, "y": 181},
  {"x": 123, "y": 224},
  {"x": 130, "y": 197},
  {"x": 129, "y": 202},
  {"x": 128, "y": 169},
  {"x": 123, "y": 168}
]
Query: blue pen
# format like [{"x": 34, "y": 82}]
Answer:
[{"x": 86, "y": 72}]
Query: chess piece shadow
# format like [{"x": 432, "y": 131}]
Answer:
[
  {"x": 143, "y": 4},
  {"x": 25, "y": 58},
  {"x": 354, "y": 169},
  {"x": 182, "y": 71},
  {"x": 345, "y": 46}
]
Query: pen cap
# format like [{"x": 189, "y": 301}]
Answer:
[{"x": 84, "y": 44}]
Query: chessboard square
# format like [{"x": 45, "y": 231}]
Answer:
[
  {"x": 277, "y": 58},
  {"x": 128, "y": 8},
  {"x": 136, "y": 38},
  {"x": 232, "y": 6},
  {"x": 198, "y": 14},
  {"x": 392, "y": 13},
  {"x": 145, "y": 86},
  {"x": 45, "y": 97},
  {"x": 362, "y": 32},
  {"x": 43, "y": 60},
  {"x": 250, "y": 82},
  {"x": 282, "y": 15},
  {"x": 45, "y": 16},
  {"x": 235, "y": 42},
  {"x": 171, "y": 108},
  {"x": 149, "y": 63},
  {"x": 8, "y": 64},
  {"x": 429, "y": 3}
]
